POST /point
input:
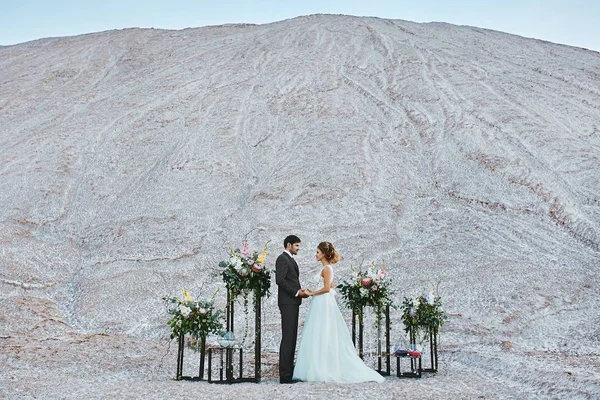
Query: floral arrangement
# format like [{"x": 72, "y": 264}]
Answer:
[
  {"x": 367, "y": 288},
  {"x": 199, "y": 318},
  {"x": 423, "y": 312},
  {"x": 245, "y": 272}
]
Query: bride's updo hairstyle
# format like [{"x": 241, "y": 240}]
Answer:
[{"x": 331, "y": 255}]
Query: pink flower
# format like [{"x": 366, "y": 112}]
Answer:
[
  {"x": 257, "y": 268},
  {"x": 381, "y": 274},
  {"x": 366, "y": 281},
  {"x": 374, "y": 287},
  {"x": 245, "y": 250},
  {"x": 250, "y": 262}
]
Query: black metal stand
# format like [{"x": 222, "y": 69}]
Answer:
[
  {"x": 180, "y": 350},
  {"x": 385, "y": 372},
  {"x": 432, "y": 339},
  {"x": 226, "y": 366},
  {"x": 226, "y": 369}
]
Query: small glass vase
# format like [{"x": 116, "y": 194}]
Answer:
[{"x": 227, "y": 340}]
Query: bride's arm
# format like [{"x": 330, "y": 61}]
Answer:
[{"x": 327, "y": 275}]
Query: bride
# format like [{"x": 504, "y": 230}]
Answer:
[{"x": 326, "y": 352}]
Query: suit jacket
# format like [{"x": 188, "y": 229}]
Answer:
[{"x": 286, "y": 277}]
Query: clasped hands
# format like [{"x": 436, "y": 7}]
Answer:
[{"x": 304, "y": 293}]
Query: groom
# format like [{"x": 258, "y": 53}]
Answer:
[{"x": 289, "y": 297}]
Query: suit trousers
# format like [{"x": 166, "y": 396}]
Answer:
[{"x": 289, "y": 335}]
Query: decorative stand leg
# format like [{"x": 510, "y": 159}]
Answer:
[
  {"x": 229, "y": 312},
  {"x": 228, "y": 353},
  {"x": 360, "y": 333},
  {"x": 387, "y": 339},
  {"x": 387, "y": 344},
  {"x": 209, "y": 365},
  {"x": 229, "y": 365},
  {"x": 433, "y": 334},
  {"x": 241, "y": 363},
  {"x": 221, "y": 366},
  {"x": 379, "y": 346},
  {"x": 358, "y": 313},
  {"x": 354, "y": 328},
  {"x": 412, "y": 336},
  {"x": 202, "y": 353},
  {"x": 181, "y": 342},
  {"x": 257, "y": 337}
]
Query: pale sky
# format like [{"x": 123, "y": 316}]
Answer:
[{"x": 571, "y": 22}]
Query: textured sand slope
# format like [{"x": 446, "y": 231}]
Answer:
[{"x": 458, "y": 155}]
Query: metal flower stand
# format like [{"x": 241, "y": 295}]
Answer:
[
  {"x": 433, "y": 353},
  {"x": 359, "y": 316},
  {"x": 180, "y": 349},
  {"x": 228, "y": 354},
  {"x": 432, "y": 340},
  {"x": 225, "y": 367}
]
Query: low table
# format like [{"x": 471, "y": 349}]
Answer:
[{"x": 415, "y": 367}]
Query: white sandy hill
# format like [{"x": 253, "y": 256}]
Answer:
[{"x": 458, "y": 155}]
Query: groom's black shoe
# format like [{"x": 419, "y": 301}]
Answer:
[{"x": 288, "y": 381}]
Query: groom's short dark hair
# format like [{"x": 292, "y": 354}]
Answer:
[{"x": 291, "y": 240}]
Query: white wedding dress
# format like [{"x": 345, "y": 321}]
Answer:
[{"x": 326, "y": 352}]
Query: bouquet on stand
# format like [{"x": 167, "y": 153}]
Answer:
[
  {"x": 196, "y": 317},
  {"x": 245, "y": 272},
  {"x": 367, "y": 288}
]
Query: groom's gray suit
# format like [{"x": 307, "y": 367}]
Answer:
[{"x": 289, "y": 300}]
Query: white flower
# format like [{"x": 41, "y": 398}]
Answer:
[
  {"x": 413, "y": 299},
  {"x": 202, "y": 311},
  {"x": 412, "y": 311},
  {"x": 236, "y": 262},
  {"x": 431, "y": 299},
  {"x": 185, "y": 310},
  {"x": 363, "y": 291}
]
